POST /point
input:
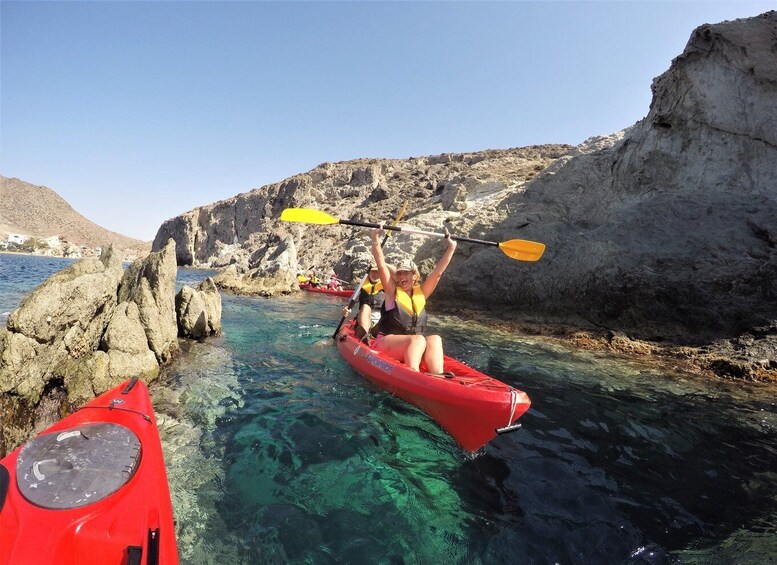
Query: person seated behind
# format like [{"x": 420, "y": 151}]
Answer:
[
  {"x": 371, "y": 298},
  {"x": 370, "y": 301},
  {"x": 301, "y": 278},
  {"x": 403, "y": 324}
]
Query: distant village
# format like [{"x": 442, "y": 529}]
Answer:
[{"x": 52, "y": 246}]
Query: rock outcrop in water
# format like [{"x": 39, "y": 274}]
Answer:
[
  {"x": 665, "y": 231},
  {"x": 271, "y": 271},
  {"x": 199, "y": 310},
  {"x": 85, "y": 330}
]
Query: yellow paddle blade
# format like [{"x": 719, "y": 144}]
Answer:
[
  {"x": 308, "y": 216},
  {"x": 522, "y": 250},
  {"x": 399, "y": 217}
]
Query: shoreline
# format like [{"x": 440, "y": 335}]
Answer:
[
  {"x": 125, "y": 259},
  {"x": 719, "y": 359},
  {"x": 745, "y": 358}
]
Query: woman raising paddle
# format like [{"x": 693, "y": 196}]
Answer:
[{"x": 403, "y": 323}]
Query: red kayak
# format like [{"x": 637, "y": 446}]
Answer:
[
  {"x": 469, "y": 405},
  {"x": 324, "y": 290},
  {"x": 92, "y": 489}
]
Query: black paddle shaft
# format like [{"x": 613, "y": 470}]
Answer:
[{"x": 408, "y": 230}]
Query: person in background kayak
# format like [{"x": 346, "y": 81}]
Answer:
[
  {"x": 332, "y": 282},
  {"x": 402, "y": 326},
  {"x": 370, "y": 298}
]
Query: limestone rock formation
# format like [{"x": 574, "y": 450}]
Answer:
[
  {"x": 62, "y": 319},
  {"x": 128, "y": 349},
  {"x": 83, "y": 331},
  {"x": 243, "y": 230},
  {"x": 666, "y": 230},
  {"x": 273, "y": 271},
  {"x": 199, "y": 310},
  {"x": 150, "y": 283}
]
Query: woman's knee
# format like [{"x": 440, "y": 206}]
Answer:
[
  {"x": 417, "y": 341},
  {"x": 434, "y": 341}
]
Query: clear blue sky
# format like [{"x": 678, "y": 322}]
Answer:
[{"x": 137, "y": 111}]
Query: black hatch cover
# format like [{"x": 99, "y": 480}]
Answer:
[{"x": 78, "y": 466}]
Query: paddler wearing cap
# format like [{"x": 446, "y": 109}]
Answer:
[{"x": 402, "y": 327}]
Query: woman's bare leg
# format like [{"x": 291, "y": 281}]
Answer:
[
  {"x": 363, "y": 317},
  {"x": 415, "y": 352},
  {"x": 406, "y": 348},
  {"x": 433, "y": 354}
]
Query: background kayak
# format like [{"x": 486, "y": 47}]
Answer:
[{"x": 323, "y": 290}]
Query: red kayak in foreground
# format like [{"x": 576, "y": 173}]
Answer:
[
  {"x": 470, "y": 406},
  {"x": 92, "y": 489},
  {"x": 324, "y": 290}
]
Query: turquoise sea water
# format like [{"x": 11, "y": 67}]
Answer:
[{"x": 277, "y": 452}]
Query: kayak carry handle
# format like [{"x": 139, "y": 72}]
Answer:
[
  {"x": 507, "y": 429},
  {"x": 130, "y": 385},
  {"x": 5, "y": 481}
]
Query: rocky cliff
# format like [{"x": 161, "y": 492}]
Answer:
[
  {"x": 243, "y": 230},
  {"x": 666, "y": 230}
]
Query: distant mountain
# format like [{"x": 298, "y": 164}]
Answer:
[{"x": 38, "y": 211}]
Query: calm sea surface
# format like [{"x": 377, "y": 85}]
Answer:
[{"x": 277, "y": 452}]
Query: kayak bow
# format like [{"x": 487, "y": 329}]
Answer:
[{"x": 91, "y": 489}]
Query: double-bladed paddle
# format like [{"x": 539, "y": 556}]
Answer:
[{"x": 519, "y": 249}]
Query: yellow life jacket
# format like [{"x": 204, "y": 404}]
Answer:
[
  {"x": 408, "y": 315},
  {"x": 372, "y": 287},
  {"x": 411, "y": 305},
  {"x": 372, "y": 294}
]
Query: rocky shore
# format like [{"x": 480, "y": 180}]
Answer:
[
  {"x": 89, "y": 327},
  {"x": 748, "y": 357},
  {"x": 661, "y": 237}
]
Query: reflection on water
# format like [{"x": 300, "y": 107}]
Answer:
[{"x": 278, "y": 452}]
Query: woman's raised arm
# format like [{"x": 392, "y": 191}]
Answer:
[
  {"x": 383, "y": 270},
  {"x": 428, "y": 286}
]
